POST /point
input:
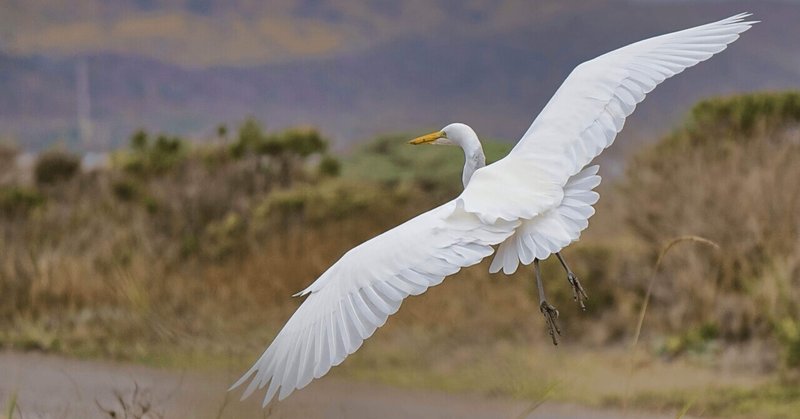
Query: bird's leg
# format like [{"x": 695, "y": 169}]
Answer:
[
  {"x": 550, "y": 313},
  {"x": 578, "y": 294}
]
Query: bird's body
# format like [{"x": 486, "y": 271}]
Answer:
[{"x": 532, "y": 203}]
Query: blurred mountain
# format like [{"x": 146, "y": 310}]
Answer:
[
  {"x": 353, "y": 69},
  {"x": 245, "y": 32}
]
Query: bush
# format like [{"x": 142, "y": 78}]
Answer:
[
  {"x": 147, "y": 157},
  {"x": 56, "y": 166},
  {"x": 726, "y": 121},
  {"x": 304, "y": 141},
  {"x": 125, "y": 190},
  {"x": 250, "y": 133},
  {"x": 329, "y": 166},
  {"x": 17, "y": 200},
  {"x": 715, "y": 180}
]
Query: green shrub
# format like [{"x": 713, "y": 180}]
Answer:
[
  {"x": 222, "y": 131},
  {"x": 140, "y": 140},
  {"x": 56, "y": 166},
  {"x": 251, "y": 135},
  {"x": 331, "y": 200},
  {"x": 304, "y": 141},
  {"x": 788, "y": 330},
  {"x": 147, "y": 157},
  {"x": 725, "y": 121},
  {"x": 18, "y": 200},
  {"x": 125, "y": 190},
  {"x": 329, "y": 166}
]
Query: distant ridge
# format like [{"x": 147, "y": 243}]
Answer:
[{"x": 496, "y": 79}]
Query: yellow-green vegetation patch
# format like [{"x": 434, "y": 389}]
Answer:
[
  {"x": 772, "y": 400},
  {"x": 11, "y": 406}
]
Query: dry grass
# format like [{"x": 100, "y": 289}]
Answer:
[
  {"x": 134, "y": 404},
  {"x": 196, "y": 261},
  {"x": 741, "y": 194},
  {"x": 11, "y": 406}
]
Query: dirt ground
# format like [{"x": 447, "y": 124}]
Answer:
[{"x": 50, "y": 386}]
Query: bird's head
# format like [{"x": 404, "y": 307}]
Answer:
[{"x": 453, "y": 134}]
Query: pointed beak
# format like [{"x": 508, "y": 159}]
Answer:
[{"x": 428, "y": 138}]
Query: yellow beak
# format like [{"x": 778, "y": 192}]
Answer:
[{"x": 428, "y": 138}]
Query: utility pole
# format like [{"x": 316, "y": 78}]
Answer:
[{"x": 85, "y": 127}]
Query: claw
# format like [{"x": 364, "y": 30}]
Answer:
[
  {"x": 578, "y": 294},
  {"x": 550, "y": 315}
]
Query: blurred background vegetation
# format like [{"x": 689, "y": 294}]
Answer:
[{"x": 175, "y": 252}]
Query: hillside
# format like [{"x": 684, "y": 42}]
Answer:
[{"x": 491, "y": 69}]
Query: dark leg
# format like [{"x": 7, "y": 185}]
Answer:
[
  {"x": 577, "y": 290},
  {"x": 550, "y": 313}
]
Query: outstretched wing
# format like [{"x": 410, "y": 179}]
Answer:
[
  {"x": 585, "y": 115},
  {"x": 356, "y": 295}
]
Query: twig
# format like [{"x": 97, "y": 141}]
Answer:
[
  {"x": 643, "y": 311},
  {"x": 224, "y": 405},
  {"x": 12, "y": 403},
  {"x": 536, "y": 403}
]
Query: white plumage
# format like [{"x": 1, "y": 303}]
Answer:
[
  {"x": 533, "y": 202},
  {"x": 554, "y": 229}
]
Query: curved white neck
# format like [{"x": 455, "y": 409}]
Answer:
[{"x": 474, "y": 159}]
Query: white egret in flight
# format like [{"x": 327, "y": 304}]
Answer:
[{"x": 532, "y": 203}]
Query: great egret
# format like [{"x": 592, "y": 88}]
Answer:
[{"x": 533, "y": 203}]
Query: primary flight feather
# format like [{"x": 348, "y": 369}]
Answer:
[{"x": 532, "y": 203}]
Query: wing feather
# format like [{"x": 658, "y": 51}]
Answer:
[
  {"x": 358, "y": 293},
  {"x": 604, "y": 91},
  {"x": 581, "y": 119},
  {"x": 537, "y": 190}
]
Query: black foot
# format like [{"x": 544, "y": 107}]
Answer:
[
  {"x": 550, "y": 316},
  {"x": 578, "y": 294}
]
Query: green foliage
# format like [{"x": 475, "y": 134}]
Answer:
[
  {"x": 300, "y": 142},
  {"x": 166, "y": 152},
  {"x": 11, "y": 406},
  {"x": 56, "y": 166},
  {"x": 770, "y": 400},
  {"x": 273, "y": 146},
  {"x": 329, "y": 166},
  {"x": 213, "y": 156},
  {"x": 125, "y": 189},
  {"x": 251, "y": 135},
  {"x": 304, "y": 142},
  {"x": 743, "y": 114},
  {"x": 788, "y": 331},
  {"x": 224, "y": 237},
  {"x": 391, "y": 160},
  {"x": 322, "y": 203},
  {"x": 222, "y": 131},
  {"x": 692, "y": 339},
  {"x": 140, "y": 141},
  {"x": 147, "y": 157},
  {"x": 284, "y": 152},
  {"x": 738, "y": 118},
  {"x": 19, "y": 200}
]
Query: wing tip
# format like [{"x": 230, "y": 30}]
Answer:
[
  {"x": 739, "y": 19},
  {"x": 243, "y": 379}
]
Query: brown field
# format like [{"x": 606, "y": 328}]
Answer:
[{"x": 185, "y": 258}]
